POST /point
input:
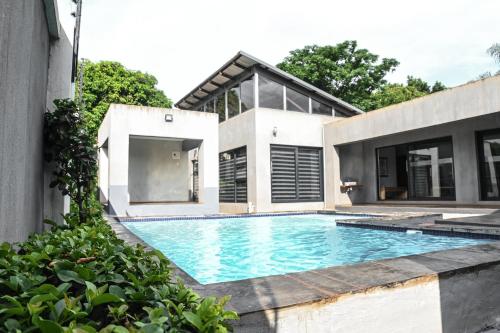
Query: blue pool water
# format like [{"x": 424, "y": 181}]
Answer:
[{"x": 218, "y": 250}]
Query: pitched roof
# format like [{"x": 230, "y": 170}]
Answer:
[{"x": 237, "y": 65}]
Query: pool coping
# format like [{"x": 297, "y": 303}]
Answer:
[{"x": 329, "y": 284}]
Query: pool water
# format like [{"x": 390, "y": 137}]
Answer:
[{"x": 228, "y": 249}]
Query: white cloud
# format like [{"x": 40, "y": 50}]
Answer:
[{"x": 182, "y": 42}]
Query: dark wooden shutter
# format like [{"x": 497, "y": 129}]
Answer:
[
  {"x": 283, "y": 174},
  {"x": 296, "y": 174},
  {"x": 233, "y": 176},
  {"x": 309, "y": 174}
]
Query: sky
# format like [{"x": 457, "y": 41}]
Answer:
[{"x": 182, "y": 42}]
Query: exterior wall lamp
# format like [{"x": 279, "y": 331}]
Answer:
[
  {"x": 275, "y": 131},
  {"x": 169, "y": 118}
]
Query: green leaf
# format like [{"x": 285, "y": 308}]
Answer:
[
  {"x": 193, "y": 319},
  {"x": 105, "y": 298},
  {"x": 67, "y": 275},
  {"x": 47, "y": 326}
]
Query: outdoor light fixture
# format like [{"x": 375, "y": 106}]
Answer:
[
  {"x": 275, "y": 131},
  {"x": 169, "y": 118}
]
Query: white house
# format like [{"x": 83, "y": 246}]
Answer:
[{"x": 269, "y": 142}]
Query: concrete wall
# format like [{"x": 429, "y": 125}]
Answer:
[
  {"x": 123, "y": 121},
  {"x": 452, "y": 303},
  {"x": 254, "y": 129},
  {"x": 458, "y": 112},
  {"x": 464, "y": 159},
  {"x": 154, "y": 175},
  {"x": 32, "y": 70}
]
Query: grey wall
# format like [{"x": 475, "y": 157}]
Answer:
[
  {"x": 153, "y": 174},
  {"x": 464, "y": 157},
  {"x": 25, "y": 49}
]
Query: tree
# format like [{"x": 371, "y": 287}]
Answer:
[
  {"x": 72, "y": 150},
  {"x": 394, "y": 93},
  {"x": 343, "y": 70},
  {"x": 494, "y": 52},
  {"x": 109, "y": 82}
]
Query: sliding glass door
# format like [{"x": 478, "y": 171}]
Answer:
[
  {"x": 417, "y": 171},
  {"x": 489, "y": 164}
]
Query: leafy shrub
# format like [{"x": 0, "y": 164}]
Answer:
[{"x": 85, "y": 279}]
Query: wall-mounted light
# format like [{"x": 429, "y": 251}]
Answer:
[
  {"x": 169, "y": 118},
  {"x": 275, "y": 131}
]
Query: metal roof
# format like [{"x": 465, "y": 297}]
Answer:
[{"x": 237, "y": 65}]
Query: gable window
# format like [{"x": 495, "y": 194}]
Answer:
[
  {"x": 320, "y": 108},
  {"x": 270, "y": 94},
  {"x": 233, "y": 175},
  {"x": 296, "y": 101},
  {"x": 247, "y": 94},
  {"x": 220, "y": 107},
  {"x": 209, "y": 107},
  {"x": 296, "y": 174},
  {"x": 233, "y": 101}
]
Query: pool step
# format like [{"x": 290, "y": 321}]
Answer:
[{"x": 489, "y": 221}]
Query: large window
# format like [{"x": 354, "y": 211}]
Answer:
[
  {"x": 220, "y": 107},
  {"x": 320, "y": 108},
  {"x": 417, "y": 171},
  {"x": 296, "y": 101},
  {"x": 296, "y": 174},
  {"x": 488, "y": 144},
  {"x": 270, "y": 94},
  {"x": 247, "y": 94},
  {"x": 233, "y": 175},
  {"x": 209, "y": 107},
  {"x": 233, "y": 101}
]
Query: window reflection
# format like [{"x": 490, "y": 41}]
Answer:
[
  {"x": 320, "y": 108},
  {"x": 489, "y": 164},
  {"x": 296, "y": 101},
  {"x": 220, "y": 107},
  {"x": 233, "y": 101},
  {"x": 270, "y": 94},
  {"x": 247, "y": 94}
]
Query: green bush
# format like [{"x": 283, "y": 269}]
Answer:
[{"x": 85, "y": 279}]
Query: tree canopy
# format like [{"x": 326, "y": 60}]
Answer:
[
  {"x": 109, "y": 82},
  {"x": 354, "y": 75}
]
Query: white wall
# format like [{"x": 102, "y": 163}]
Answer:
[
  {"x": 254, "y": 129},
  {"x": 154, "y": 175},
  {"x": 123, "y": 121}
]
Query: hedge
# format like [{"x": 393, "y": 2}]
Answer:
[{"x": 85, "y": 279}]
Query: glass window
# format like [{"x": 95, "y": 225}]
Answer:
[
  {"x": 296, "y": 101},
  {"x": 270, "y": 94},
  {"x": 220, "y": 107},
  {"x": 209, "y": 107},
  {"x": 233, "y": 101},
  {"x": 320, "y": 108},
  {"x": 417, "y": 171},
  {"x": 247, "y": 94},
  {"x": 489, "y": 164},
  {"x": 340, "y": 115}
]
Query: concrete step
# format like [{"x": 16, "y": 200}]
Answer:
[{"x": 478, "y": 221}]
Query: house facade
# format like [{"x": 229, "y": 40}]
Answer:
[
  {"x": 284, "y": 145},
  {"x": 271, "y": 139}
]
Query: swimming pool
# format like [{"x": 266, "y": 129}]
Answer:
[{"x": 228, "y": 249}]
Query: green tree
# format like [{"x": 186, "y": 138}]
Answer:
[
  {"x": 494, "y": 52},
  {"x": 343, "y": 70},
  {"x": 109, "y": 82},
  {"x": 72, "y": 151},
  {"x": 393, "y": 93}
]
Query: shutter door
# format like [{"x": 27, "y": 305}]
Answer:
[
  {"x": 309, "y": 174},
  {"x": 233, "y": 176},
  {"x": 226, "y": 179},
  {"x": 241, "y": 175},
  {"x": 283, "y": 174}
]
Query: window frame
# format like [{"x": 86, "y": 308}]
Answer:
[
  {"x": 479, "y": 160},
  {"x": 232, "y": 151}
]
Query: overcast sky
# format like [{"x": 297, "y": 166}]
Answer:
[{"x": 182, "y": 42}]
